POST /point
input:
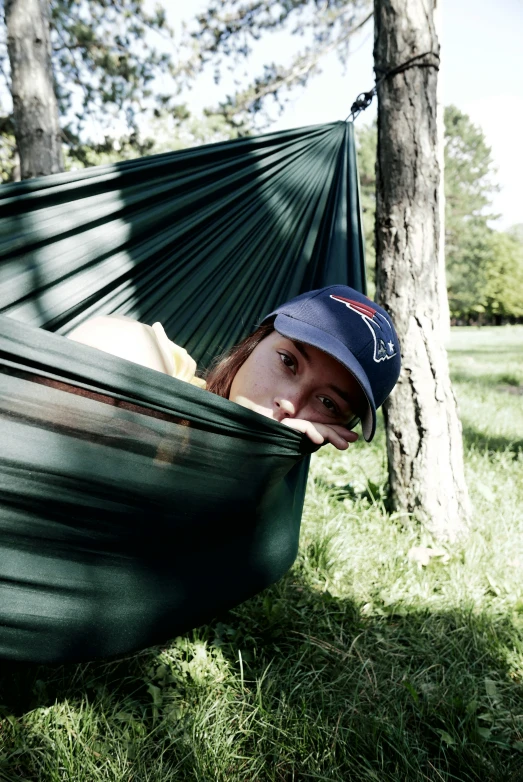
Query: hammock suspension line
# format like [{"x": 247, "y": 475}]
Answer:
[{"x": 364, "y": 99}]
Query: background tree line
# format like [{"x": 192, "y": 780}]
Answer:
[{"x": 484, "y": 266}]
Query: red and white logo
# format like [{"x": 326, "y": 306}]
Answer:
[{"x": 380, "y": 328}]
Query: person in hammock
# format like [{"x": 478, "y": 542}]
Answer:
[{"x": 319, "y": 363}]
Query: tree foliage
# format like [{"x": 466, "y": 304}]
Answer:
[
  {"x": 106, "y": 56},
  {"x": 484, "y": 266},
  {"x": 504, "y": 278},
  {"x": 469, "y": 182},
  {"x": 517, "y": 231},
  {"x": 226, "y": 34},
  {"x": 486, "y": 277},
  {"x": 469, "y": 168}
]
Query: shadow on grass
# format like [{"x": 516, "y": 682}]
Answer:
[
  {"x": 505, "y": 383},
  {"x": 373, "y": 492},
  {"x": 305, "y": 686},
  {"x": 472, "y": 438}
]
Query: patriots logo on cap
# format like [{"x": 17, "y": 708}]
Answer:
[{"x": 380, "y": 328}]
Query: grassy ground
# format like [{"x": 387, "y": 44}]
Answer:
[{"x": 362, "y": 664}]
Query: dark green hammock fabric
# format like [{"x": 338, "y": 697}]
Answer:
[{"x": 146, "y": 507}]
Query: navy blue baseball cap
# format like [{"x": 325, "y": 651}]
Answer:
[{"x": 355, "y": 331}]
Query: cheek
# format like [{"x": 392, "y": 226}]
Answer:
[
  {"x": 252, "y": 383},
  {"x": 238, "y": 386},
  {"x": 245, "y": 381}
]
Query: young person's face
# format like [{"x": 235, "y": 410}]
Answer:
[{"x": 287, "y": 379}]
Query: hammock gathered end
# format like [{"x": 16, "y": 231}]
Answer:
[{"x": 134, "y": 506}]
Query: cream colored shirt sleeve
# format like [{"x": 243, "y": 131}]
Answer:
[
  {"x": 134, "y": 341},
  {"x": 179, "y": 362}
]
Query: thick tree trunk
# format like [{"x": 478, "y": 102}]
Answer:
[
  {"x": 35, "y": 109},
  {"x": 423, "y": 430}
]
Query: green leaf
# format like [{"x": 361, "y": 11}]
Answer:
[
  {"x": 124, "y": 716},
  {"x": 156, "y": 694},
  {"x": 491, "y": 689},
  {"x": 412, "y": 692},
  {"x": 446, "y": 737}
]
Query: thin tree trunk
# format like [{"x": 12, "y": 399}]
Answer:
[
  {"x": 424, "y": 440},
  {"x": 35, "y": 109}
]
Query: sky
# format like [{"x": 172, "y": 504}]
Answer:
[{"x": 481, "y": 72}]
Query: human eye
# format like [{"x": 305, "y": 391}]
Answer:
[
  {"x": 329, "y": 405},
  {"x": 288, "y": 361}
]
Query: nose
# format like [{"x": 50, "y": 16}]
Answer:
[{"x": 285, "y": 407}]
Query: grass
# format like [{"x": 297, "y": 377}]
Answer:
[{"x": 361, "y": 664}]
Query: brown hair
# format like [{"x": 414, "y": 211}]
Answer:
[{"x": 224, "y": 368}]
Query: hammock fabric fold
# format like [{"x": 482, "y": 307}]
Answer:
[{"x": 146, "y": 507}]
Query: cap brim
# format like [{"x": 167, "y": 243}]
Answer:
[{"x": 303, "y": 332}]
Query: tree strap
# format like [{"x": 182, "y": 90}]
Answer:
[{"x": 364, "y": 99}]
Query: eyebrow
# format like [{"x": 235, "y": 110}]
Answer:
[
  {"x": 343, "y": 394},
  {"x": 302, "y": 349}
]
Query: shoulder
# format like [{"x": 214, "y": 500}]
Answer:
[
  {"x": 123, "y": 337},
  {"x": 103, "y": 326}
]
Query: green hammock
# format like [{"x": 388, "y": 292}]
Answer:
[{"x": 135, "y": 515}]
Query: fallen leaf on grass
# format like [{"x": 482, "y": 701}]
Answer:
[
  {"x": 423, "y": 554},
  {"x": 486, "y": 492},
  {"x": 485, "y": 733},
  {"x": 446, "y": 737},
  {"x": 491, "y": 689}
]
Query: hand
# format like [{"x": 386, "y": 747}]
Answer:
[{"x": 336, "y": 434}]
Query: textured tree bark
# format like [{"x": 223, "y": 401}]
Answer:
[
  {"x": 424, "y": 439},
  {"x": 35, "y": 108}
]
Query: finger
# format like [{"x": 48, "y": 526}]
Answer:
[
  {"x": 350, "y": 436},
  {"x": 340, "y": 437},
  {"x": 336, "y": 434},
  {"x": 307, "y": 428},
  {"x": 313, "y": 433},
  {"x": 337, "y": 441}
]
